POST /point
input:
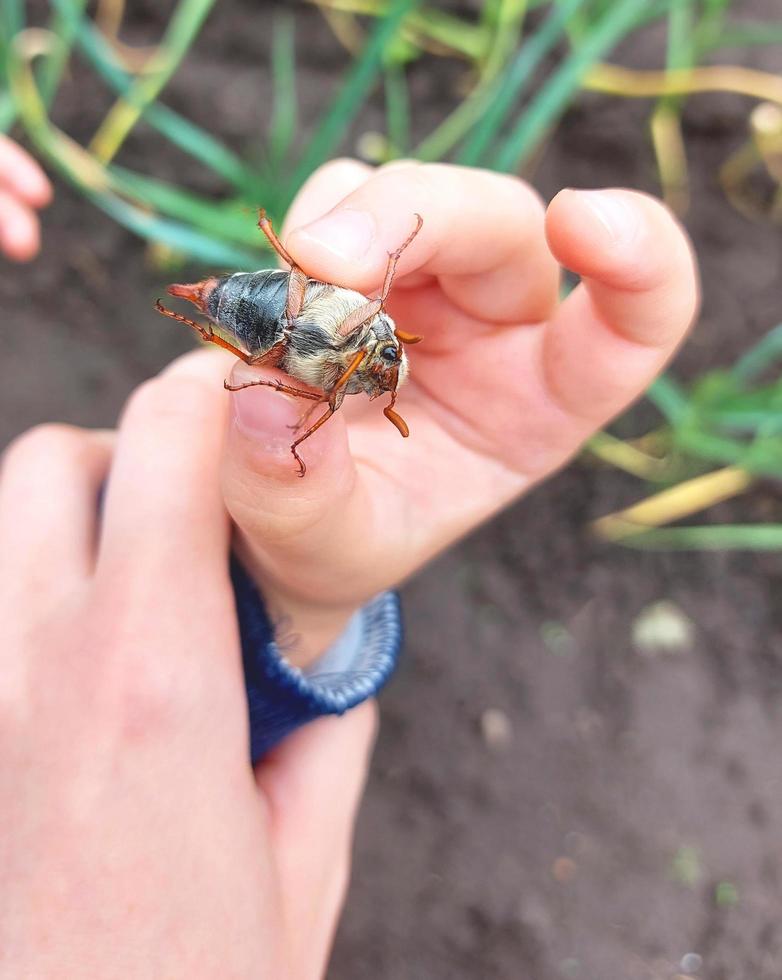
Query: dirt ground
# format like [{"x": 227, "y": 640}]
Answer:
[{"x": 632, "y": 814}]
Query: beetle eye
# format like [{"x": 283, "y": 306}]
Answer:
[{"x": 388, "y": 354}]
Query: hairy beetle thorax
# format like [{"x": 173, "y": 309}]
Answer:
[{"x": 317, "y": 351}]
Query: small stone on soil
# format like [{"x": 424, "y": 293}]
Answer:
[{"x": 496, "y": 728}]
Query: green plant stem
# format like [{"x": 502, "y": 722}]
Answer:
[
  {"x": 104, "y": 187},
  {"x": 350, "y": 96},
  {"x": 718, "y": 537},
  {"x": 188, "y": 137},
  {"x": 669, "y": 399},
  {"x": 552, "y": 99},
  {"x": 758, "y": 358},
  {"x": 397, "y": 109},
  {"x": 11, "y": 24},
  {"x": 497, "y": 102},
  {"x": 285, "y": 113},
  {"x": 458, "y": 123},
  {"x": 744, "y": 36},
  {"x": 434, "y": 25},
  {"x": 64, "y": 29},
  {"x": 182, "y": 29}
]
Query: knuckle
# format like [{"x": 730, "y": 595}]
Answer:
[
  {"x": 522, "y": 196},
  {"x": 168, "y": 398},
  {"x": 155, "y": 695},
  {"x": 42, "y": 441},
  {"x": 147, "y": 685},
  {"x": 344, "y": 167}
]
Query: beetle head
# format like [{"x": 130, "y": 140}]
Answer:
[{"x": 385, "y": 366}]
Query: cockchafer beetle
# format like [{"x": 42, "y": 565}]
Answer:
[{"x": 326, "y": 336}]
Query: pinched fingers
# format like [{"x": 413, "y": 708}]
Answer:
[
  {"x": 22, "y": 176},
  {"x": 482, "y": 237},
  {"x": 23, "y": 188}
]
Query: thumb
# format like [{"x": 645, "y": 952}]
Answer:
[
  {"x": 312, "y": 784},
  {"x": 294, "y": 531}
]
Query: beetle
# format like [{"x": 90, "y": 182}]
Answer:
[{"x": 326, "y": 336}]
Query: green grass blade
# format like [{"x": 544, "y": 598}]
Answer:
[
  {"x": 11, "y": 23},
  {"x": 680, "y": 52},
  {"x": 184, "y": 239},
  {"x": 397, "y": 109},
  {"x": 710, "y": 25},
  {"x": 556, "y": 93},
  {"x": 505, "y": 24},
  {"x": 7, "y": 112},
  {"x": 761, "y": 456},
  {"x": 188, "y": 137},
  {"x": 503, "y": 95},
  {"x": 718, "y": 537},
  {"x": 745, "y": 36},
  {"x": 101, "y": 185},
  {"x": 285, "y": 113},
  {"x": 669, "y": 399},
  {"x": 226, "y": 221},
  {"x": 64, "y": 29},
  {"x": 758, "y": 358},
  {"x": 184, "y": 25},
  {"x": 351, "y": 95},
  {"x": 12, "y": 19}
]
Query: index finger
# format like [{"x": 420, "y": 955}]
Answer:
[
  {"x": 482, "y": 237},
  {"x": 22, "y": 175}
]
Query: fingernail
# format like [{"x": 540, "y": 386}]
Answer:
[
  {"x": 263, "y": 415},
  {"x": 347, "y": 233},
  {"x": 615, "y": 214},
  {"x": 19, "y": 240},
  {"x": 36, "y": 187}
]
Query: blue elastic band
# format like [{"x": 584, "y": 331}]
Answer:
[{"x": 282, "y": 697}]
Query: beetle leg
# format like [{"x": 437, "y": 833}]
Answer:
[
  {"x": 306, "y": 416},
  {"x": 313, "y": 428},
  {"x": 205, "y": 332},
  {"x": 345, "y": 376},
  {"x": 335, "y": 398},
  {"x": 277, "y": 385},
  {"x": 297, "y": 283},
  {"x": 264, "y": 223}
]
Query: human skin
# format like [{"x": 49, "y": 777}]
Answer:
[
  {"x": 136, "y": 839},
  {"x": 24, "y": 188},
  {"x": 507, "y": 385}
]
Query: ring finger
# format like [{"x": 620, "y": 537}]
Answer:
[{"x": 49, "y": 485}]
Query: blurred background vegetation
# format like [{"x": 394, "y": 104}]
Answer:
[{"x": 522, "y": 65}]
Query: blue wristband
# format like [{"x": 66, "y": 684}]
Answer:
[{"x": 282, "y": 697}]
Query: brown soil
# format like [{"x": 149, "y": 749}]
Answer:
[{"x": 555, "y": 856}]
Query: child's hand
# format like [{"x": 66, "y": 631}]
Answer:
[
  {"x": 23, "y": 189},
  {"x": 505, "y": 388},
  {"x": 136, "y": 840}
]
